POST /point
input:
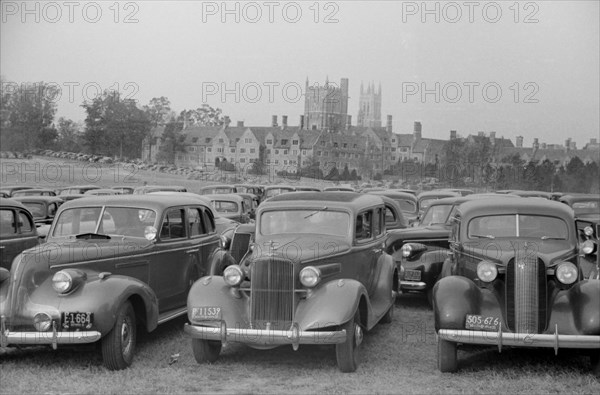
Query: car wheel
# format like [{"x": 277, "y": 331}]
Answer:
[
  {"x": 206, "y": 350},
  {"x": 595, "y": 361},
  {"x": 389, "y": 316},
  {"x": 347, "y": 353},
  {"x": 118, "y": 346},
  {"x": 446, "y": 354}
]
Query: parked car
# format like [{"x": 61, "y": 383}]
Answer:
[
  {"x": 217, "y": 189},
  {"x": 17, "y": 231},
  {"x": 76, "y": 190},
  {"x": 157, "y": 188},
  {"x": 584, "y": 205},
  {"x": 529, "y": 194},
  {"x": 251, "y": 203},
  {"x": 306, "y": 188},
  {"x": 408, "y": 203},
  {"x": 513, "y": 279},
  {"x": 338, "y": 189},
  {"x": 109, "y": 264},
  {"x": 231, "y": 206},
  {"x": 9, "y": 189},
  {"x": 425, "y": 198},
  {"x": 124, "y": 190},
  {"x": 462, "y": 192},
  {"x": 316, "y": 273},
  {"x": 274, "y": 190},
  {"x": 43, "y": 209},
  {"x": 103, "y": 192},
  {"x": 34, "y": 192}
]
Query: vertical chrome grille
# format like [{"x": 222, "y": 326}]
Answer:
[
  {"x": 272, "y": 287},
  {"x": 526, "y": 293},
  {"x": 239, "y": 245}
]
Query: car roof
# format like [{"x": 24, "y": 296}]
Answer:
[
  {"x": 468, "y": 198},
  {"x": 353, "y": 200},
  {"x": 39, "y": 198},
  {"x": 217, "y": 186},
  {"x": 35, "y": 190},
  {"x": 6, "y": 202},
  {"x": 505, "y": 205},
  {"x": 225, "y": 197},
  {"x": 151, "y": 201},
  {"x": 579, "y": 198},
  {"x": 279, "y": 186},
  {"x": 396, "y": 194},
  {"x": 437, "y": 192}
]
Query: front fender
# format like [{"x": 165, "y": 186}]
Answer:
[
  {"x": 453, "y": 298},
  {"x": 429, "y": 263},
  {"x": 212, "y": 291},
  {"x": 332, "y": 304},
  {"x": 103, "y": 297},
  {"x": 577, "y": 310}
]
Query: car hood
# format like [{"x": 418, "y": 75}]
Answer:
[
  {"x": 300, "y": 248},
  {"x": 420, "y": 232},
  {"x": 503, "y": 250}
]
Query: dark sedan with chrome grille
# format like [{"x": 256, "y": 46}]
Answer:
[
  {"x": 316, "y": 273},
  {"x": 514, "y": 281}
]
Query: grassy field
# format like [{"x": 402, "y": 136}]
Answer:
[{"x": 396, "y": 358}]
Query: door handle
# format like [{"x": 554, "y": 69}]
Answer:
[{"x": 193, "y": 251}]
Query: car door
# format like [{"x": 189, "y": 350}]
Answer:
[
  {"x": 367, "y": 235},
  {"x": 171, "y": 262},
  {"x": 17, "y": 233},
  {"x": 204, "y": 237}
]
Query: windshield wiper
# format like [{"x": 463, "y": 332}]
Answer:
[
  {"x": 315, "y": 212},
  {"x": 484, "y": 236},
  {"x": 92, "y": 236}
]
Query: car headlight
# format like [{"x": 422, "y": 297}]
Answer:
[
  {"x": 487, "y": 271},
  {"x": 588, "y": 247},
  {"x": 233, "y": 275},
  {"x": 42, "y": 322},
  {"x": 406, "y": 250},
  {"x": 566, "y": 273},
  {"x": 588, "y": 231},
  {"x": 310, "y": 276},
  {"x": 62, "y": 282}
]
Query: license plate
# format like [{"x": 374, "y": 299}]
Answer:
[
  {"x": 206, "y": 313},
  {"x": 412, "y": 275},
  {"x": 77, "y": 320},
  {"x": 480, "y": 322}
]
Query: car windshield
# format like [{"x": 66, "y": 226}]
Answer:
[
  {"x": 407, "y": 206},
  {"x": 314, "y": 221},
  {"x": 222, "y": 206},
  {"x": 518, "y": 225},
  {"x": 437, "y": 214},
  {"x": 587, "y": 207},
  {"x": 38, "y": 210},
  {"x": 127, "y": 221},
  {"x": 276, "y": 191}
]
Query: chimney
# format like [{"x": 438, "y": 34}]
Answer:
[
  {"x": 452, "y": 134},
  {"x": 388, "y": 125},
  {"x": 274, "y": 121},
  {"x": 240, "y": 124},
  {"x": 536, "y": 143},
  {"x": 519, "y": 141},
  {"x": 227, "y": 122},
  {"x": 417, "y": 127},
  {"x": 417, "y": 131},
  {"x": 284, "y": 121},
  {"x": 568, "y": 143},
  {"x": 301, "y": 122}
]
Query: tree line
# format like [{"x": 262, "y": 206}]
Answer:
[{"x": 114, "y": 126}]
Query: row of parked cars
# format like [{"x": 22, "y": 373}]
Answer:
[{"x": 311, "y": 268}]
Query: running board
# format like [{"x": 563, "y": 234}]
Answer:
[{"x": 169, "y": 315}]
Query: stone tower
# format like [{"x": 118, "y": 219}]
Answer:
[
  {"x": 369, "y": 107},
  {"x": 326, "y": 107}
]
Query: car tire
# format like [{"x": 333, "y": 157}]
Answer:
[
  {"x": 446, "y": 355},
  {"x": 118, "y": 346},
  {"x": 389, "y": 315},
  {"x": 595, "y": 362},
  {"x": 347, "y": 353},
  {"x": 206, "y": 350}
]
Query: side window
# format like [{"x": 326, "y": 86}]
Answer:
[
  {"x": 195, "y": 222},
  {"x": 377, "y": 222},
  {"x": 173, "y": 227},
  {"x": 209, "y": 221},
  {"x": 390, "y": 216},
  {"x": 455, "y": 228},
  {"x": 25, "y": 223},
  {"x": 7, "y": 223},
  {"x": 363, "y": 226}
]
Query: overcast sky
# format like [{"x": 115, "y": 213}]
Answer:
[{"x": 527, "y": 68}]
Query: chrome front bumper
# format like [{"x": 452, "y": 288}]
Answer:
[
  {"x": 52, "y": 337},
  {"x": 412, "y": 285},
  {"x": 499, "y": 339},
  {"x": 294, "y": 336}
]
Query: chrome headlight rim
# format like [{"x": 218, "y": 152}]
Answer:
[
  {"x": 310, "y": 276},
  {"x": 406, "y": 250},
  {"x": 588, "y": 231},
  {"x": 588, "y": 247},
  {"x": 487, "y": 271},
  {"x": 62, "y": 282},
  {"x": 233, "y": 275},
  {"x": 42, "y": 322},
  {"x": 567, "y": 273}
]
